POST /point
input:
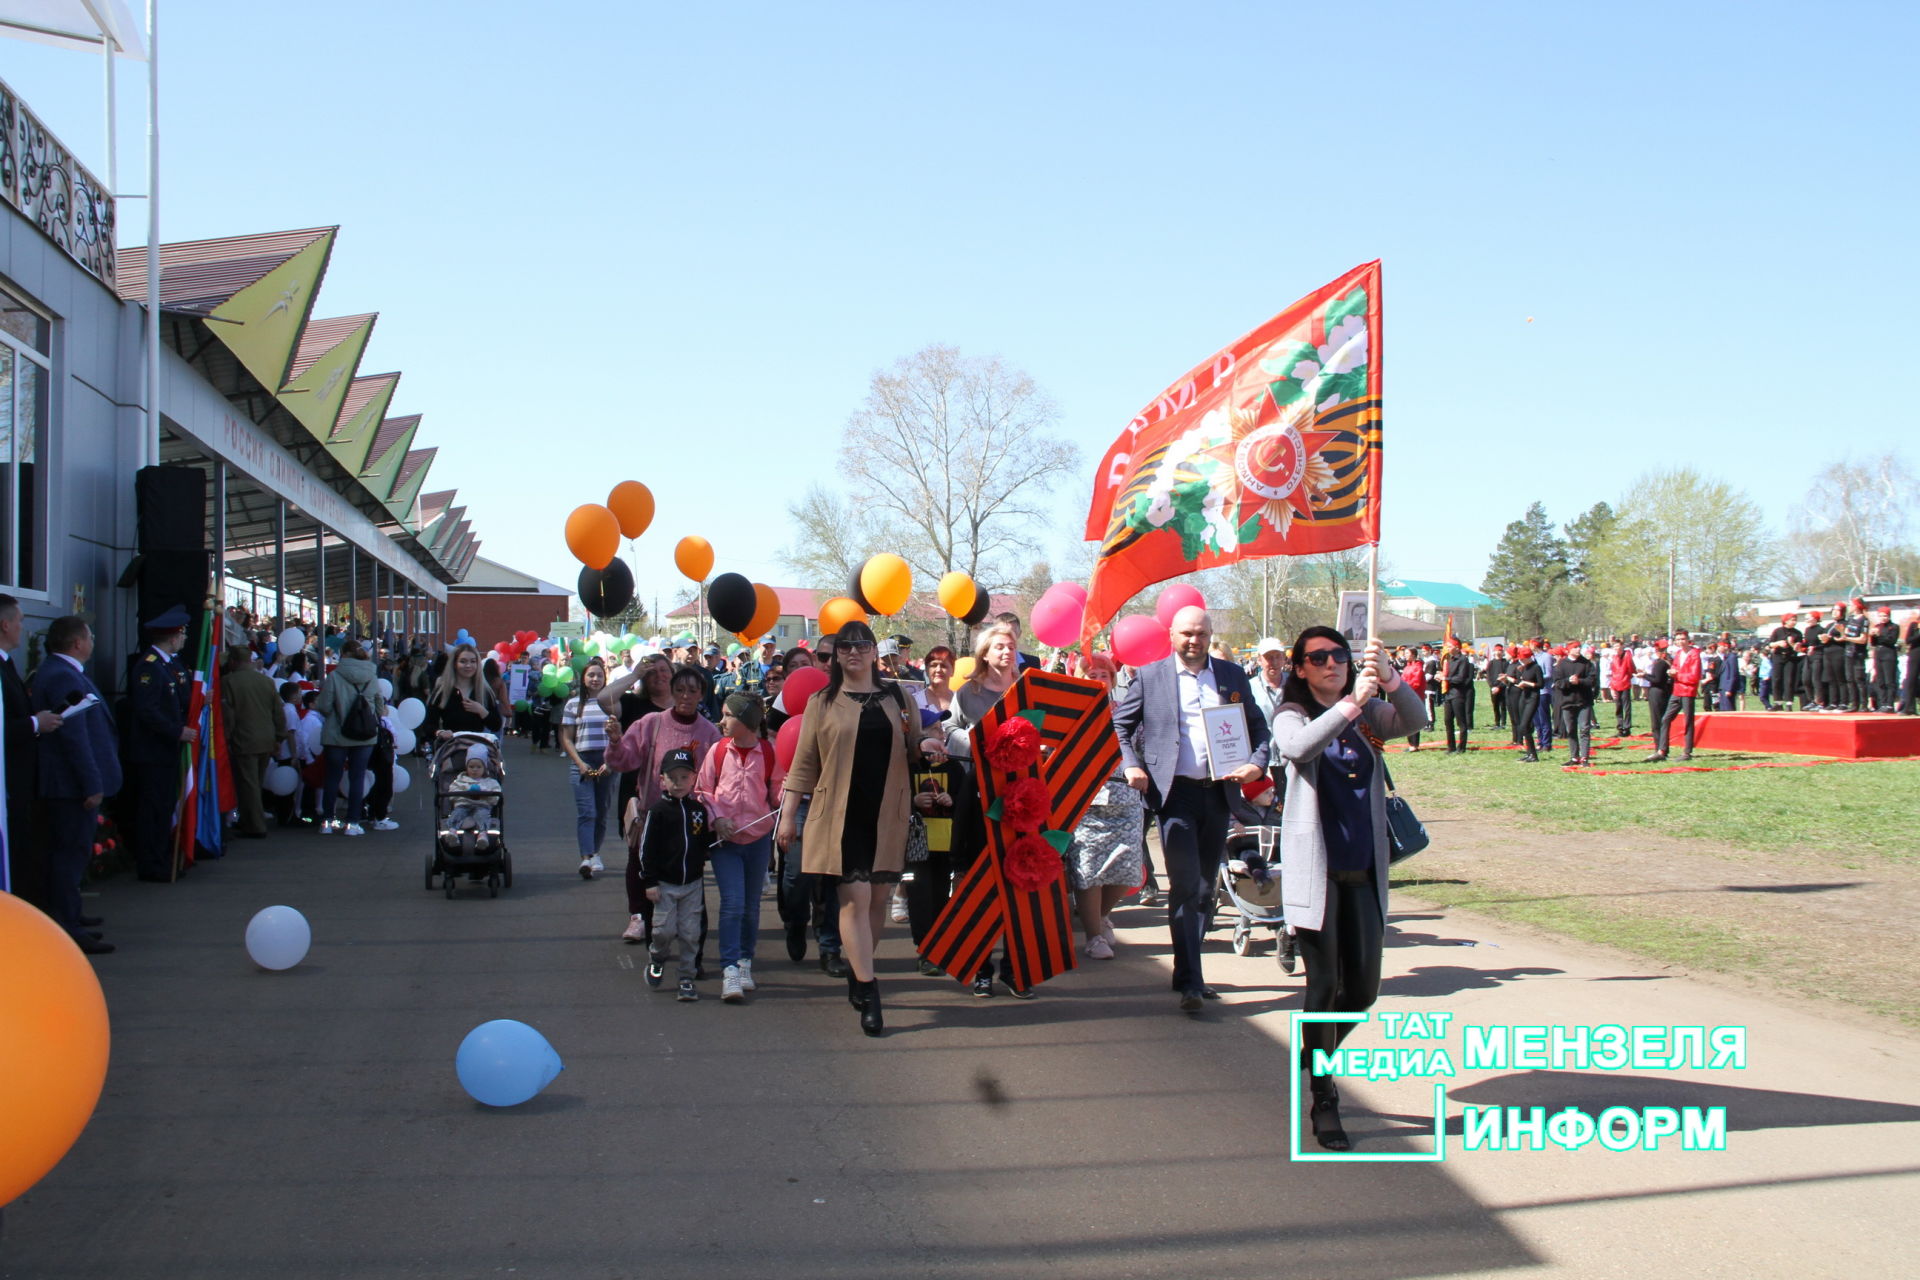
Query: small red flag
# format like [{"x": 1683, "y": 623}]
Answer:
[{"x": 1270, "y": 448}]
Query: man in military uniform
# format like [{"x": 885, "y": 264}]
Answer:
[
  {"x": 159, "y": 693},
  {"x": 1786, "y": 662}
]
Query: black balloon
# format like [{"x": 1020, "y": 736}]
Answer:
[
  {"x": 606, "y": 591},
  {"x": 854, "y": 592},
  {"x": 731, "y": 601},
  {"x": 978, "y": 614}
]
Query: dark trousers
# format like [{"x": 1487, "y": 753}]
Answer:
[
  {"x": 1856, "y": 669},
  {"x": 1885, "y": 665},
  {"x": 928, "y": 893},
  {"x": 349, "y": 763},
  {"x": 1343, "y": 961},
  {"x": 1910, "y": 691},
  {"x": 1623, "y": 712},
  {"x": 1818, "y": 686},
  {"x": 247, "y": 772},
  {"x": 70, "y": 828},
  {"x": 1579, "y": 730},
  {"x": 380, "y": 795},
  {"x": 1786, "y": 681},
  {"x": 156, "y": 790},
  {"x": 1657, "y": 700},
  {"x": 1676, "y": 706},
  {"x": 27, "y": 854},
  {"x": 1520, "y": 708},
  {"x": 1193, "y": 840},
  {"x": 1498, "y": 697},
  {"x": 1545, "y": 715},
  {"x": 1458, "y": 712}
]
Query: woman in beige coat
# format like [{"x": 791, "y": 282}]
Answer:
[
  {"x": 852, "y": 757},
  {"x": 1333, "y": 833}
]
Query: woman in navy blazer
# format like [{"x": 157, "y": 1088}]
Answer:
[{"x": 1333, "y": 833}]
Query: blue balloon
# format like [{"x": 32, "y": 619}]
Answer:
[{"x": 503, "y": 1063}]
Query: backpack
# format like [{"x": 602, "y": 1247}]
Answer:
[{"x": 360, "y": 723}]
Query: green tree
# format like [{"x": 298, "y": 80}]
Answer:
[
  {"x": 1583, "y": 537},
  {"x": 1708, "y": 534},
  {"x": 1528, "y": 566}
]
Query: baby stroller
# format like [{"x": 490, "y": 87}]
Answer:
[
  {"x": 469, "y": 821},
  {"x": 1249, "y": 887}
]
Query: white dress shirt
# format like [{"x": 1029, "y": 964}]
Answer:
[{"x": 1197, "y": 690}]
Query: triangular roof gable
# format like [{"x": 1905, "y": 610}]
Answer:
[
  {"x": 434, "y": 505},
  {"x": 197, "y": 276},
  {"x": 390, "y": 445},
  {"x": 361, "y": 413},
  {"x": 406, "y": 485},
  {"x": 443, "y": 533},
  {"x": 261, "y": 323},
  {"x": 322, "y": 371}
]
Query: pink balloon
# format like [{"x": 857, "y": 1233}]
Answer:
[
  {"x": 1138, "y": 640},
  {"x": 786, "y": 742},
  {"x": 1056, "y": 617},
  {"x": 1073, "y": 589},
  {"x": 1173, "y": 600},
  {"x": 800, "y": 686}
]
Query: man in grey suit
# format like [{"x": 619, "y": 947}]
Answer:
[{"x": 1163, "y": 746}]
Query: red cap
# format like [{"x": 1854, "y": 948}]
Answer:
[
  {"x": 1813, "y": 613},
  {"x": 1860, "y": 604},
  {"x": 1661, "y": 643}
]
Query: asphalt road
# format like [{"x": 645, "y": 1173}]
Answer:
[{"x": 309, "y": 1123}]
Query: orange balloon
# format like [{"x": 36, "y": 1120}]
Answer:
[
  {"x": 632, "y": 505},
  {"x": 766, "y": 611},
  {"x": 693, "y": 556},
  {"x": 53, "y": 1045},
  {"x": 962, "y": 668},
  {"x": 593, "y": 535},
  {"x": 886, "y": 582},
  {"x": 838, "y": 612},
  {"x": 957, "y": 593}
]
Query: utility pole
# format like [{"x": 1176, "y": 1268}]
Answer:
[{"x": 1671, "y": 560}]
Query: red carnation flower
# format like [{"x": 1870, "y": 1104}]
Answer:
[
  {"x": 1031, "y": 864},
  {"x": 1015, "y": 745},
  {"x": 1026, "y": 806}
]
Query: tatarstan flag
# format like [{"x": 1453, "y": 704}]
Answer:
[{"x": 1269, "y": 448}]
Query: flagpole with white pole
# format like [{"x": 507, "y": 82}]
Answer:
[{"x": 1373, "y": 589}]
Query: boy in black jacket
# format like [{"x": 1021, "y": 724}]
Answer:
[{"x": 673, "y": 864}]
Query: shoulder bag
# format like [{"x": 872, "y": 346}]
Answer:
[{"x": 1406, "y": 834}]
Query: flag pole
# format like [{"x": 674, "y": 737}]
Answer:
[{"x": 1373, "y": 590}]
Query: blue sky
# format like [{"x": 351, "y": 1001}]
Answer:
[{"x": 672, "y": 242}]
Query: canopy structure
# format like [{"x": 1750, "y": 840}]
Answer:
[{"x": 75, "y": 24}]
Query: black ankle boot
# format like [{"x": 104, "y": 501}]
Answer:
[
  {"x": 856, "y": 991},
  {"x": 870, "y": 1009},
  {"x": 1325, "y": 1116}
]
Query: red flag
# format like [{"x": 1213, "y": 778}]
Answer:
[{"x": 1270, "y": 448}]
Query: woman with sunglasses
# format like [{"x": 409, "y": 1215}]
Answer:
[
  {"x": 1333, "y": 839},
  {"x": 853, "y": 758}
]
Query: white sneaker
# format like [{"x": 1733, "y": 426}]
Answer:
[
  {"x": 327, "y": 828},
  {"x": 746, "y": 975},
  {"x": 730, "y": 989},
  {"x": 385, "y": 824},
  {"x": 898, "y": 911},
  {"x": 1099, "y": 948},
  {"x": 586, "y": 868},
  {"x": 355, "y": 829},
  {"x": 595, "y": 864}
]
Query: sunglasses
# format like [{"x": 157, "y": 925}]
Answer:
[
  {"x": 1321, "y": 657},
  {"x": 857, "y": 646}
]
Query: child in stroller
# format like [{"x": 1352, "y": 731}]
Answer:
[
  {"x": 469, "y": 814},
  {"x": 1250, "y": 875}
]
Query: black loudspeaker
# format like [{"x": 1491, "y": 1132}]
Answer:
[
  {"x": 171, "y": 506},
  {"x": 169, "y": 578}
]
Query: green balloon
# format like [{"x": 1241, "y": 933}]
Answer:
[
  {"x": 577, "y": 663},
  {"x": 520, "y": 705}
]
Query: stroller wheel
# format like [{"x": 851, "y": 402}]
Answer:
[
  {"x": 431, "y": 862},
  {"x": 506, "y": 868},
  {"x": 1242, "y": 940}
]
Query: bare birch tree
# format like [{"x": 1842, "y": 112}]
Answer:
[
  {"x": 1853, "y": 525},
  {"x": 956, "y": 455}
]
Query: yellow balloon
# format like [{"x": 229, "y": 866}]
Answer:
[
  {"x": 886, "y": 582},
  {"x": 957, "y": 593},
  {"x": 962, "y": 668}
]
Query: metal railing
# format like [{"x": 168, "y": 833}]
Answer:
[{"x": 40, "y": 178}]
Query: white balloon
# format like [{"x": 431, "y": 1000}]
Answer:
[
  {"x": 278, "y": 937},
  {"x": 403, "y": 740},
  {"x": 281, "y": 780},
  {"x": 401, "y": 778},
  {"x": 292, "y": 640},
  {"x": 412, "y": 712},
  {"x": 386, "y": 689}
]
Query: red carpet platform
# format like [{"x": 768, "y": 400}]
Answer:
[{"x": 1844, "y": 737}]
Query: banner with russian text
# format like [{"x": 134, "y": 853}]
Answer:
[{"x": 1269, "y": 448}]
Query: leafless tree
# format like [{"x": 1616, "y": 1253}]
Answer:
[
  {"x": 1853, "y": 525},
  {"x": 956, "y": 455},
  {"x": 833, "y": 537}
]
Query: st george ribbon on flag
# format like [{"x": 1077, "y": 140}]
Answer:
[{"x": 1269, "y": 448}]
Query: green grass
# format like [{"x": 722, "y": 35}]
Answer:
[{"x": 1859, "y": 815}]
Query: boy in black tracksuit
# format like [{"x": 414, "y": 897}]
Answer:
[{"x": 673, "y": 864}]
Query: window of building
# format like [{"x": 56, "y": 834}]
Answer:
[{"x": 25, "y": 381}]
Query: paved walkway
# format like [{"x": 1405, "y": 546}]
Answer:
[{"x": 310, "y": 1124}]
